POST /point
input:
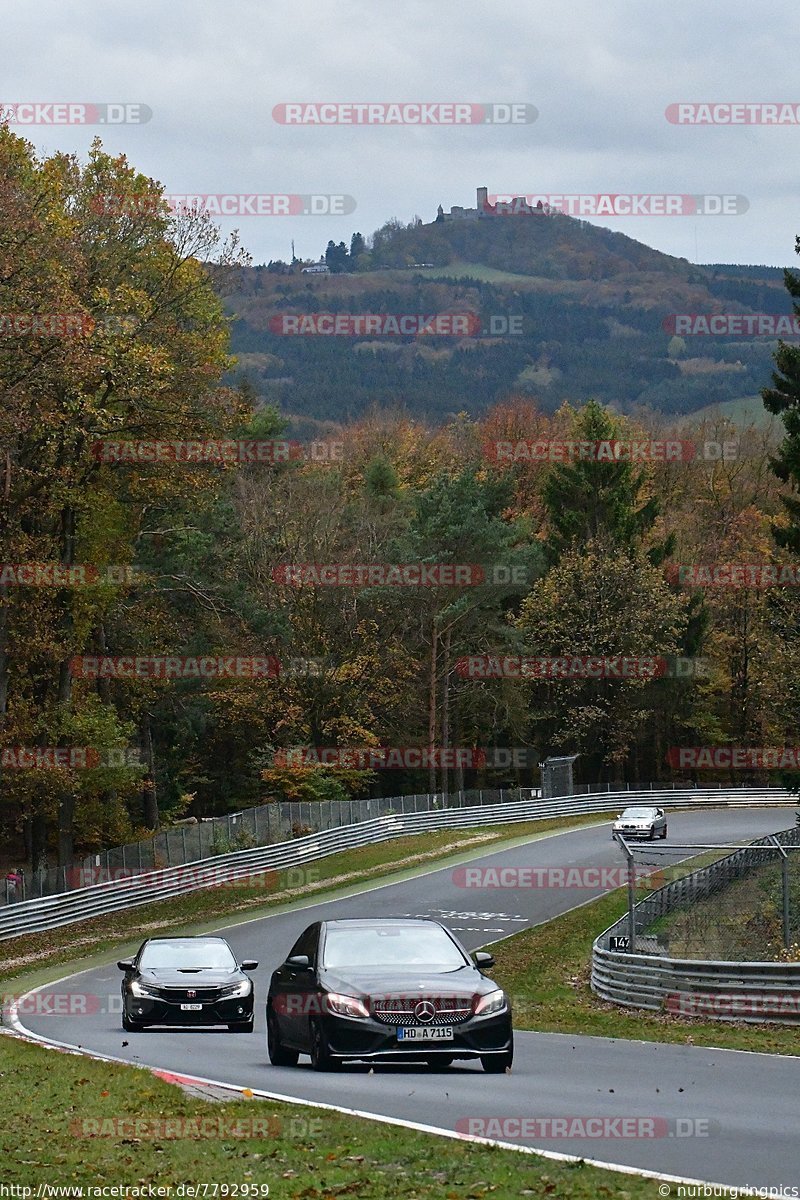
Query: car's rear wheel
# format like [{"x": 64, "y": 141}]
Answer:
[
  {"x": 279, "y": 1055},
  {"x": 321, "y": 1057},
  {"x": 241, "y": 1026}
]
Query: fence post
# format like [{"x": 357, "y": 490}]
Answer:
[
  {"x": 255, "y": 821},
  {"x": 631, "y": 897},
  {"x": 785, "y": 879}
]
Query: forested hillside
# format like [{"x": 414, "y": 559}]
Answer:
[
  {"x": 291, "y": 559},
  {"x": 562, "y": 309}
]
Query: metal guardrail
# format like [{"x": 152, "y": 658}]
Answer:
[
  {"x": 727, "y": 991},
  {"x": 189, "y": 840},
  {"x": 51, "y": 912}
]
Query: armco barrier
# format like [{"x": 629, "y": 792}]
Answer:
[
  {"x": 51, "y": 912},
  {"x": 726, "y": 991}
]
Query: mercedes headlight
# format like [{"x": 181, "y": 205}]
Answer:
[
  {"x": 493, "y": 1002},
  {"x": 346, "y": 1006}
]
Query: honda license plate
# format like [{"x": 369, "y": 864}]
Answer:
[
  {"x": 421, "y": 1033},
  {"x": 191, "y": 1008}
]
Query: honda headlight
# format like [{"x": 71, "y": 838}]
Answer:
[
  {"x": 141, "y": 989},
  {"x": 493, "y": 1002},
  {"x": 237, "y": 989},
  {"x": 346, "y": 1006}
]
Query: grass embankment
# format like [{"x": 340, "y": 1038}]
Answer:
[
  {"x": 546, "y": 972},
  {"x": 67, "y": 1121}
]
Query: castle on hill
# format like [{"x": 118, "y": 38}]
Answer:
[{"x": 516, "y": 205}]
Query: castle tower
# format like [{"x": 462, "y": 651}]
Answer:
[{"x": 483, "y": 200}]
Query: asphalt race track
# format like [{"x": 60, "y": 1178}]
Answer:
[{"x": 748, "y": 1105}]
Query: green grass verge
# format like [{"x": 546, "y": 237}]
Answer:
[
  {"x": 546, "y": 969},
  {"x": 63, "y": 1125}
]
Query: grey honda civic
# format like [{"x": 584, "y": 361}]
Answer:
[{"x": 386, "y": 991}]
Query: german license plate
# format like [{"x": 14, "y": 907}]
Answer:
[
  {"x": 421, "y": 1033},
  {"x": 191, "y": 1008}
]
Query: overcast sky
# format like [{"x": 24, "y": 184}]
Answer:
[{"x": 600, "y": 74}]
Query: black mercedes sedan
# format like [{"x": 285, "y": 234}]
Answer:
[
  {"x": 186, "y": 981},
  {"x": 386, "y": 991}
]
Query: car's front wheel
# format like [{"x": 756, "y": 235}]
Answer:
[
  {"x": 441, "y": 1060},
  {"x": 664, "y": 834},
  {"x": 131, "y": 1026},
  {"x": 279, "y": 1055},
  {"x": 321, "y": 1057},
  {"x": 496, "y": 1064}
]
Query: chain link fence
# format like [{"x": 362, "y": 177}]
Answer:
[
  {"x": 193, "y": 840},
  {"x": 715, "y": 905}
]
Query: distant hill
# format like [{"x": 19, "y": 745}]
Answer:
[{"x": 561, "y": 310}]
